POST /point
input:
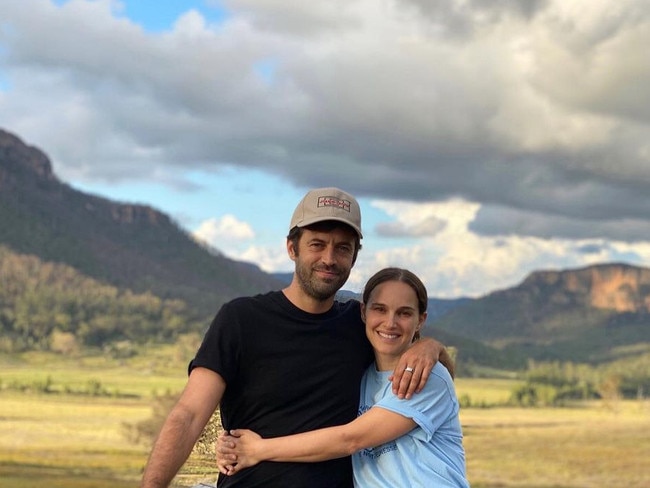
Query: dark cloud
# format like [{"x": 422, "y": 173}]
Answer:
[
  {"x": 591, "y": 249},
  {"x": 460, "y": 19},
  {"x": 538, "y": 110},
  {"x": 496, "y": 220}
]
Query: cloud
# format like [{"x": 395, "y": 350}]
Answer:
[
  {"x": 535, "y": 110},
  {"x": 269, "y": 259},
  {"x": 412, "y": 221},
  {"x": 221, "y": 233},
  {"x": 497, "y": 220},
  {"x": 456, "y": 261},
  {"x": 423, "y": 227},
  {"x": 232, "y": 238}
]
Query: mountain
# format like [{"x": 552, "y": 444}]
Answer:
[
  {"x": 124, "y": 245},
  {"x": 588, "y": 314},
  {"x": 137, "y": 257},
  {"x": 439, "y": 307},
  {"x": 285, "y": 278}
]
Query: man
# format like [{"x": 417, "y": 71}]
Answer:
[{"x": 287, "y": 361}]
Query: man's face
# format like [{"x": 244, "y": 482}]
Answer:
[{"x": 323, "y": 261}]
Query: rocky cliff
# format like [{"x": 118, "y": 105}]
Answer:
[{"x": 617, "y": 287}]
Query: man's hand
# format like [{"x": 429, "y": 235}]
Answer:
[{"x": 415, "y": 365}]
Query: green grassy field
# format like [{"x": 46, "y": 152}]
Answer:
[{"x": 69, "y": 441}]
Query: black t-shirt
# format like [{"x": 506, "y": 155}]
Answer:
[{"x": 287, "y": 371}]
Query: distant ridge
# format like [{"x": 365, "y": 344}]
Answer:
[
  {"x": 582, "y": 313},
  {"x": 614, "y": 286},
  {"x": 130, "y": 246}
]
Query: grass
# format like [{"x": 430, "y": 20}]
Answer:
[
  {"x": 154, "y": 373},
  {"x": 70, "y": 441},
  {"x": 589, "y": 446},
  {"x": 66, "y": 439},
  {"x": 74, "y": 440},
  {"x": 485, "y": 391}
]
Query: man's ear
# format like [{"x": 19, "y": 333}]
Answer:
[{"x": 291, "y": 250}]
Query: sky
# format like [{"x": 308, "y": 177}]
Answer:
[{"x": 483, "y": 140}]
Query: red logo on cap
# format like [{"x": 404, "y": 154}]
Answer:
[{"x": 334, "y": 202}]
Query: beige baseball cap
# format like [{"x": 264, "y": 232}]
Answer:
[{"x": 327, "y": 204}]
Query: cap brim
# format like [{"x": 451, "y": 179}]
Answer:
[{"x": 325, "y": 219}]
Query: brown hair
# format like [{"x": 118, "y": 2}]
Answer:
[
  {"x": 405, "y": 276},
  {"x": 325, "y": 226}
]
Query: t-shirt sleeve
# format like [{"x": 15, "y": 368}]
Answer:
[
  {"x": 221, "y": 346},
  {"x": 430, "y": 408}
]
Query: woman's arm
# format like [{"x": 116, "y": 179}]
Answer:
[{"x": 377, "y": 426}]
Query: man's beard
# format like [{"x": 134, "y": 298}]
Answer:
[{"x": 319, "y": 288}]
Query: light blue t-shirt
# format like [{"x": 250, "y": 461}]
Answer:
[{"x": 432, "y": 454}]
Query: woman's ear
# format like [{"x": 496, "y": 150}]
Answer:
[
  {"x": 363, "y": 312},
  {"x": 421, "y": 321}
]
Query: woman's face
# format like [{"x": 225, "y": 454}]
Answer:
[{"x": 392, "y": 318}]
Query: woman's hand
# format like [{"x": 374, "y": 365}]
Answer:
[
  {"x": 237, "y": 450},
  {"x": 226, "y": 460}
]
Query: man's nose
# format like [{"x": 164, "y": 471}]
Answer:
[{"x": 328, "y": 255}]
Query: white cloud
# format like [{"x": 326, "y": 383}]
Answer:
[
  {"x": 222, "y": 233},
  {"x": 269, "y": 259},
  {"x": 458, "y": 262},
  {"x": 233, "y": 237}
]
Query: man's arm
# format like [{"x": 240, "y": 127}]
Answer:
[
  {"x": 415, "y": 365},
  {"x": 183, "y": 427}
]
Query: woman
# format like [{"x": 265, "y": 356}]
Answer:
[{"x": 393, "y": 442}]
